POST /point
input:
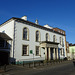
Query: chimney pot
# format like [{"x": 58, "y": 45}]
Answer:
[{"x": 36, "y": 21}]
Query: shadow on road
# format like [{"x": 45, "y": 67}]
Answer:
[{"x": 74, "y": 63}]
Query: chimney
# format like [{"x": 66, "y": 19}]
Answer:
[
  {"x": 36, "y": 21},
  {"x": 24, "y": 18},
  {"x": 47, "y": 26}
]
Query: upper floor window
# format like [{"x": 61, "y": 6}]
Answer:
[
  {"x": 25, "y": 34},
  {"x": 58, "y": 30},
  {"x": 54, "y": 38},
  {"x": 60, "y": 40},
  {"x": 37, "y": 36},
  {"x": 47, "y": 37},
  {"x": 4, "y": 44}
]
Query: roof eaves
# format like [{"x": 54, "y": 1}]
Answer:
[
  {"x": 8, "y": 21},
  {"x": 30, "y": 23},
  {"x": 39, "y": 26}
]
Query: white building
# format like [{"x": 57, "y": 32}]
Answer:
[
  {"x": 71, "y": 53},
  {"x": 26, "y": 36}
]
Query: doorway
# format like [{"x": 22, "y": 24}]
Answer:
[
  {"x": 4, "y": 58},
  {"x": 47, "y": 54},
  {"x": 51, "y": 53}
]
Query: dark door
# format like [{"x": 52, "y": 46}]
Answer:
[
  {"x": 4, "y": 58},
  {"x": 51, "y": 53}
]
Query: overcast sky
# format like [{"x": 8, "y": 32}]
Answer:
[{"x": 56, "y": 13}]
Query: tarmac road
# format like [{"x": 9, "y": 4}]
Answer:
[
  {"x": 59, "y": 69},
  {"x": 68, "y": 69}
]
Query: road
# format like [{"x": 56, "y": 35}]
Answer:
[
  {"x": 67, "y": 69},
  {"x": 58, "y": 69},
  {"x": 64, "y": 69}
]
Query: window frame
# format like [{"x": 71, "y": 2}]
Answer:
[
  {"x": 36, "y": 37},
  {"x": 27, "y": 37},
  {"x": 54, "y": 38},
  {"x": 60, "y": 41},
  {"x": 27, "y": 50},
  {"x": 39, "y": 53},
  {"x": 47, "y": 37}
]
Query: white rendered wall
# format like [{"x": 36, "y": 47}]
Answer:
[
  {"x": 8, "y": 28},
  {"x": 19, "y": 42}
]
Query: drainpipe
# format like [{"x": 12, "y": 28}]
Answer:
[{"x": 13, "y": 39}]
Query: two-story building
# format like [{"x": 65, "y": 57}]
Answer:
[{"x": 45, "y": 42}]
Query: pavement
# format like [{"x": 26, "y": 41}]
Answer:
[{"x": 24, "y": 70}]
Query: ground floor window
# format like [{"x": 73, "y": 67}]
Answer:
[
  {"x": 37, "y": 50},
  {"x": 25, "y": 50}
]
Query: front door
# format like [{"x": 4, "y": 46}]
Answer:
[{"x": 51, "y": 53}]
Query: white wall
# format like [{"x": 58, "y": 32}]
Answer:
[
  {"x": 19, "y": 42},
  {"x": 8, "y": 28}
]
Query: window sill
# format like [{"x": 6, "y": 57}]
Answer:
[
  {"x": 37, "y": 55},
  {"x": 26, "y": 40},
  {"x": 25, "y": 55}
]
